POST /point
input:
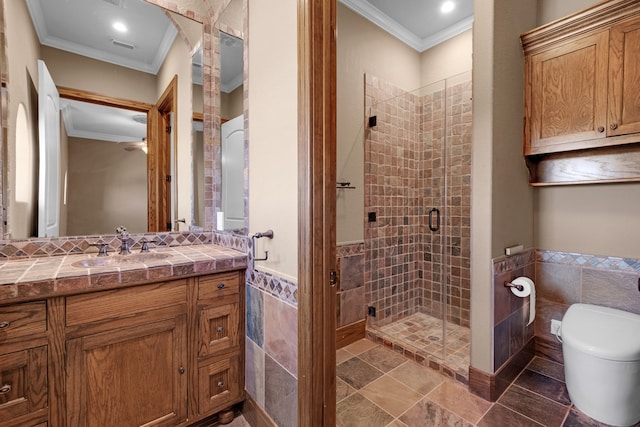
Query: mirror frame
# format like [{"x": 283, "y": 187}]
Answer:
[{"x": 211, "y": 113}]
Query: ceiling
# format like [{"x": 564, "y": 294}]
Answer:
[
  {"x": 418, "y": 23},
  {"x": 85, "y": 27}
]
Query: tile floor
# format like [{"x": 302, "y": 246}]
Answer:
[
  {"x": 421, "y": 334},
  {"x": 378, "y": 387}
]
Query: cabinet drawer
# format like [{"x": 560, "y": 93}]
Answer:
[
  {"x": 23, "y": 382},
  {"x": 119, "y": 303},
  {"x": 219, "y": 385},
  {"x": 218, "y": 285},
  {"x": 219, "y": 329},
  {"x": 22, "y": 319}
]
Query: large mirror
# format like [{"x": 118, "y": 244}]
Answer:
[{"x": 122, "y": 69}]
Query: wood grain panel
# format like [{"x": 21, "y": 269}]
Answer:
[
  {"x": 348, "y": 334},
  {"x": 568, "y": 93},
  {"x": 117, "y": 303},
  {"x": 128, "y": 377},
  {"x": 219, "y": 285},
  {"x": 624, "y": 78},
  {"x": 23, "y": 320}
]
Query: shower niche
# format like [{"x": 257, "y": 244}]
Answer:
[{"x": 417, "y": 251}]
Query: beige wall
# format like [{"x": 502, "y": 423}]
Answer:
[
  {"x": 273, "y": 151},
  {"x": 107, "y": 188},
  {"x": 502, "y": 201},
  {"x": 591, "y": 219},
  {"x": 79, "y": 72},
  {"x": 362, "y": 48},
  {"x": 23, "y": 48},
  {"x": 447, "y": 59},
  {"x": 178, "y": 62},
  {"x": 231, "y": 104}
]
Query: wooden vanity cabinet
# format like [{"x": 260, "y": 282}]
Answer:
[
  {"x": 582, "y": 85},
  {"x": 160, "y": 354},
  {"x": 23, "y": 364},
  {"x": 220, "y": 361},
  {"x": 127, "y": 356}
]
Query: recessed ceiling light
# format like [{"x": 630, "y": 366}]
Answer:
[
  {"x": 120, "y": 27},
  {"x": 447, "y": 7}
]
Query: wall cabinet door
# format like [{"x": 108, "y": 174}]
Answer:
[
  {"x": 128, "y": 377},
  {"x": 568, "y": 95},
  {"x": 624, "y": 78}
]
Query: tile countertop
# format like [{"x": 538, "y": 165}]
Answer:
[{"x": 32, "y": 278}]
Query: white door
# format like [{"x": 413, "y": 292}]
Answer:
[
  {"x": 233, "y": 173},
  {"x": 49, "y": 163}
]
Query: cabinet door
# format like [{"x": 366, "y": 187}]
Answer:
[
  {"x": 128, "y": 377},
  {"x": 219, "y": 329},
  {"x": 23, "y": 382},
  {"x": 624, "y": 78},
  {"x": 568, "y": 91},
  {"x": 220, "y": 385}
]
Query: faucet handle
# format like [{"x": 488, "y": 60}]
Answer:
[
  {"x": 102, "y": 248},
  {"x": 144, "y": 244}
]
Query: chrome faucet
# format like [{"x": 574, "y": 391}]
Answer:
[{"x": 123, "y": 235}]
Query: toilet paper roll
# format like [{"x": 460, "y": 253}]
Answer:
[{"x": 528, "y": 290}]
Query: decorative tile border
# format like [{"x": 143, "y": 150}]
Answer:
[
  {"x": 591, "y": 261},
  {"x": 283, "y": 289},
  {"x": 509, "y": 263},
  {"x": 44, "y": 247},
  {"x": 348, "y": 249}
]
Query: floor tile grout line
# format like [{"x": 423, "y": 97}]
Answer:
[
  {"x": 523, "y": 415},
  {"x": 537, "y": 394}
]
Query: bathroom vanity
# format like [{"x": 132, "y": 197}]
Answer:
[{"x": 157, "y": 343}]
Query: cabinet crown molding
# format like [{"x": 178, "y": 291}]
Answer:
[{"x": 595, "y": 18}]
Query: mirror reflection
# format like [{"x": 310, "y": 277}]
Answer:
[{"x": 122, "y": 53}]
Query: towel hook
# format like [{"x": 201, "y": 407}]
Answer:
[{"x": 267, "y": 234}]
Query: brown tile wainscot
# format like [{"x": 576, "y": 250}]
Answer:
[{"x": 159, "y": 341}]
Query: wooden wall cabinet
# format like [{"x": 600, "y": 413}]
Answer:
[
  {"x": 582, "y": 85},
  {"x": 160, "y": 354}
]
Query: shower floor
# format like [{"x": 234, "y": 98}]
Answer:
[{"x": 419, "y": 337}]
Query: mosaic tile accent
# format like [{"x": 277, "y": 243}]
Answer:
[
  {"x": 631, "y": 265},
  {"x": 343, "y": 250},
  {"x": 419, "y": 338},
  {"x": 54, "y": 246},
  {"x": 418, "y": 157},
  {"x": 281, "y": 288}
]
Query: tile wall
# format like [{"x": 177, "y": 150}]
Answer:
[
  {"x": 561, "y": 279},
  {"x": 351, "y": 305},
  {"x": 564, "y": 278},
  {"x": 407, "y": 168},
  {"x": 510, "y": 313}
]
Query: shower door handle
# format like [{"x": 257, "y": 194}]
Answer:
[{"x": 437, "y": 226}]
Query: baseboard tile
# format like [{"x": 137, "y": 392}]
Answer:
[{"x": 491, "y": 386}]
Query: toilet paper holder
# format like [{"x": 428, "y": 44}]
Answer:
[{"x": 513, "y": 285}]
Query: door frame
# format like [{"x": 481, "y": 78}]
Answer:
[{"x": 316, "y": 212}]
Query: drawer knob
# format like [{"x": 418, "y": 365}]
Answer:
[
  {"x": 614, "y": 126},
  {"x": 5, "y": 389},
  {"x": 181, "y": 370},
  {"x": 219, "y": 329},
  {"x": 4, "y": 325},
  {"x": 220, "y": 285},
  {"x": 601, "y": 129},
  {"x": 220, "y": 383}
]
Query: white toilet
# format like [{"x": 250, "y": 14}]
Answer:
[{"x": 601, "y": 348}]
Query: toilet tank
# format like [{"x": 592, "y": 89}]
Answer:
[{"x": 602, "y": 332}]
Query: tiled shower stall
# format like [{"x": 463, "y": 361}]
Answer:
[{"x": 417, "y": 219}]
